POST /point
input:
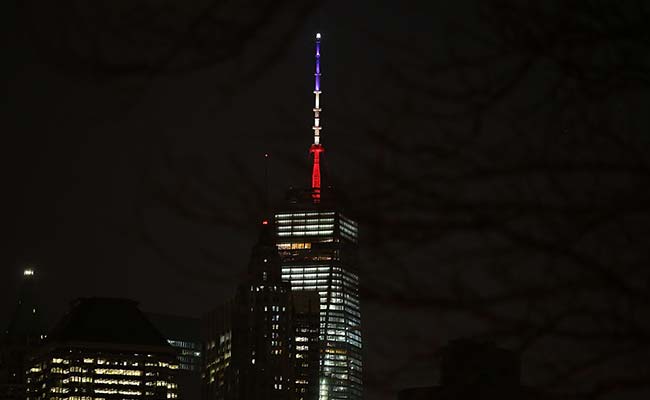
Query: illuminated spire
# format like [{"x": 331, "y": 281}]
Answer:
[
  {"x": 317, "y": 93},
  {"x": 316, "y": 148}
]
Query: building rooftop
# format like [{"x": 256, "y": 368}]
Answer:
[{"x": 107, "y": 320}]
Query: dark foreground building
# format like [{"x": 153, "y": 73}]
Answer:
[
  {"x": 472, "y": 370},
  {"x": 103, "y": 349},
  {"x": 264, "y": 343},
  {"x": 262, "y": 336}
]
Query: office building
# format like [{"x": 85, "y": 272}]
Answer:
[{"x": 103, "y": 349}]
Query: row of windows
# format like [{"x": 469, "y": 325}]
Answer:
[
  {"x": 306, "y": 233},
  {"x": 183, "y": 344},
  {"x": 294, "y": 246},
  {"x": 301, "y": 227},
  {"x": 281, "y": 222},
  {"x": 303, "y": 214},
  {"x": 348, "y": 223}
]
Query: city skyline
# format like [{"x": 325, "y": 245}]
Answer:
[{"x": 493, "y": 155}]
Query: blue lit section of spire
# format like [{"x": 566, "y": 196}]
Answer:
[{"x": 317, "y": 88}]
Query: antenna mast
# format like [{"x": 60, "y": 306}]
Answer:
[{"x": 316, "y": 148}]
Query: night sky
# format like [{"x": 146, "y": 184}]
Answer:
[{"x": 496, "y": 158}]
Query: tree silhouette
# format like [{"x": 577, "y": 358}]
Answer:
[{"x": 527, "y": 193}]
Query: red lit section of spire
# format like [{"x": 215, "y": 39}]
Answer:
[{"x": 316, "y": 148}]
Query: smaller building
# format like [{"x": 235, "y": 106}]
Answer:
[
  {"x": 476, "y": 370},
  {"x": 103, "y": 349},
  {"x": 184, "y": 335},
  {"x": 217, "y": 377}
]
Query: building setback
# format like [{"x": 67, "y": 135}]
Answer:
[{"x": 103, "y": 349}]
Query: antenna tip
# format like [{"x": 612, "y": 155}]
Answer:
[{"x": 318, "y": 35}]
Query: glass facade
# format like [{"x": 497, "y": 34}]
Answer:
[
  {"x": 318, "y": 249},
  {"x": 189, "y": 354}
]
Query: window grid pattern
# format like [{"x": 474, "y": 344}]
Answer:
[{"x": 312, "y": 261}]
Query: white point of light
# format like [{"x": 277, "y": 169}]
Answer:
[
  {"x": 28, "y": 272},
  {"x": 318, "y": 36}
]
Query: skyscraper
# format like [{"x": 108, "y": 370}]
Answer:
[
  {"x": 318, "y": 247},
  {"x": 249, "y": 342},
  {"x": 24, "y": 334},
  {"x": 262, "y": 336}
]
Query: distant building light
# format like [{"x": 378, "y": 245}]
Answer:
[{"x": 28, "y": 271}]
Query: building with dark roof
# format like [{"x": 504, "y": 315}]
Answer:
[{"x": 103, "y": 348}]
